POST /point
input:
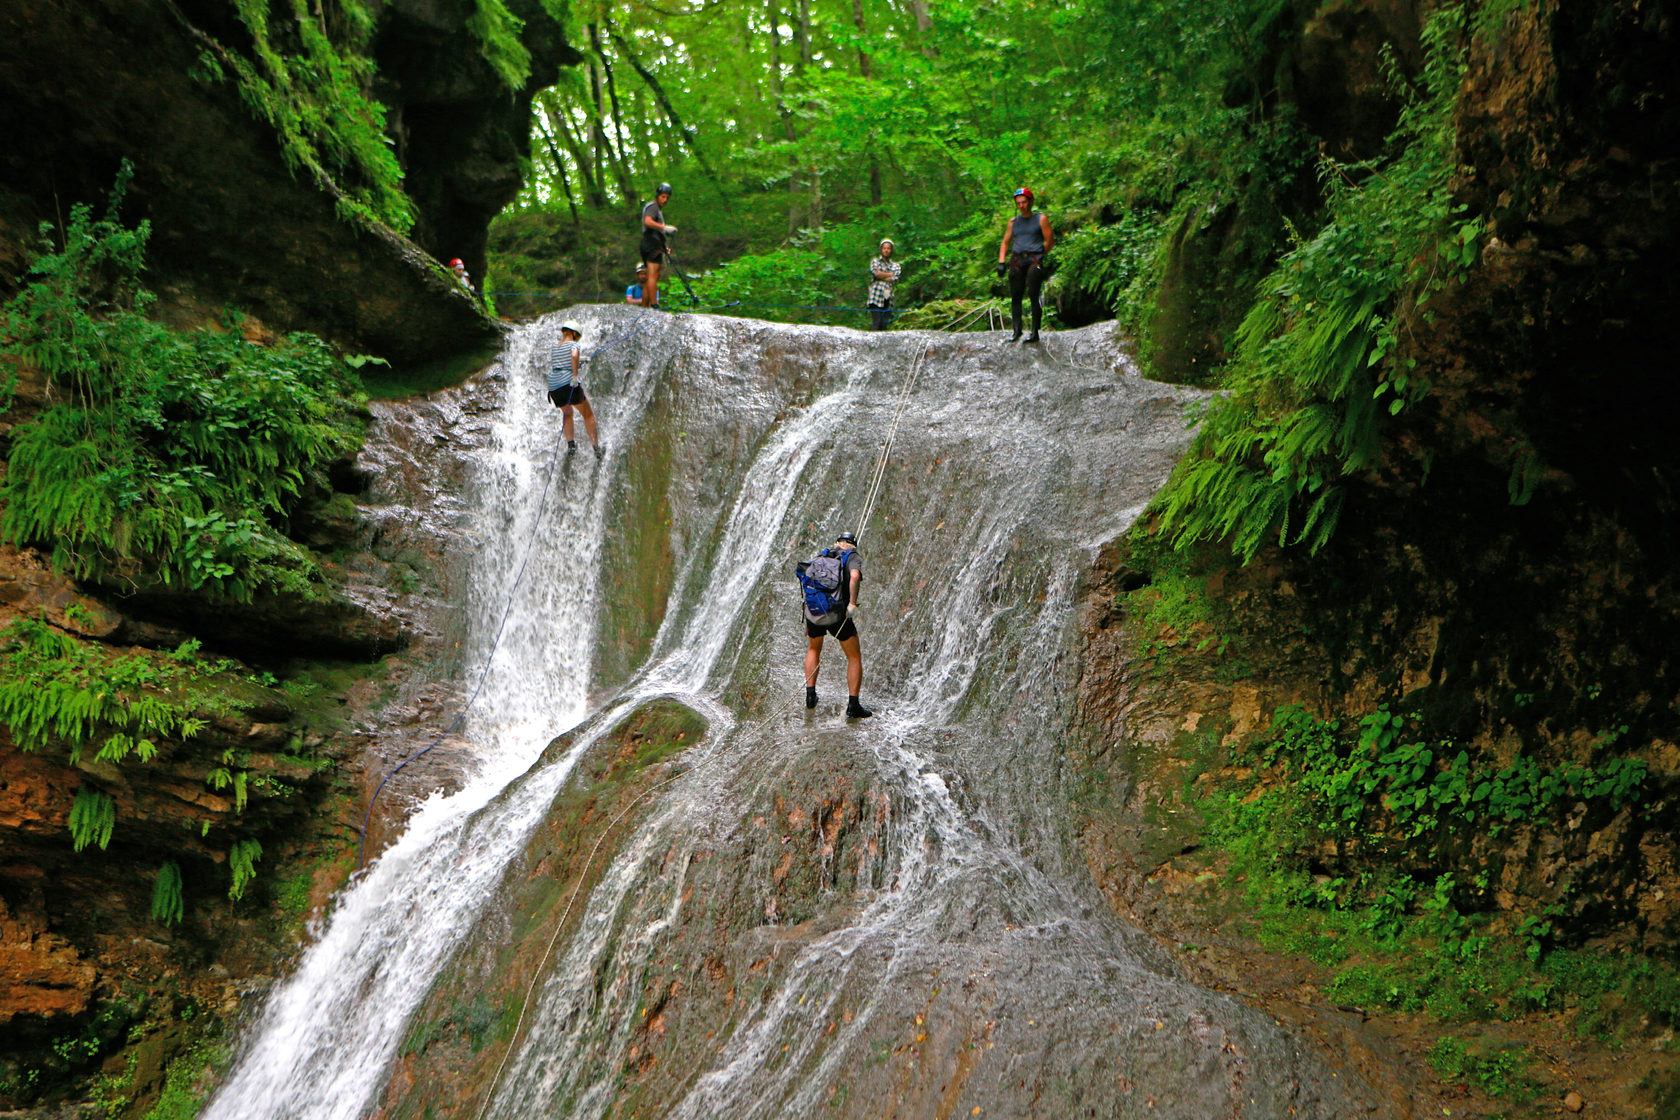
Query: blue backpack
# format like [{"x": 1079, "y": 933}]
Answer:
[{"x": 823, "y": 581}]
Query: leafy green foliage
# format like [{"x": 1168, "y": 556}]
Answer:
[
  {"x": 173, "y": 454},
  {"x": 242, "y": 863},
  {"x": 316, "y": 100},
  {"x": 917, "y": 122},
  {"x": 93, "y": 816},
  {"x": 1319, "y": 362},
  {"x": 55, "y": 688},
  {"x": 497, "y": 30},
  {"x": 1349, "y": 845},
  {"x": 168, "y": 906},
  {"x": 1499, "y": 1072},
  {"x": 187, "y": 1082},
  {"x": 1382, "y": 789}
]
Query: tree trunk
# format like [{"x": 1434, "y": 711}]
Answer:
[
  {"x": 591, "y": 187},
  {"x": 924, "y": 24},
  {"x": 619, "y": 148},
  {"x": 794, "y": 186},
  {"x": 864, "y": 68},
  {"x": 863, "y": 55},
  {"x": 559, "y": 159},
  {"x": 802, "y": 38},
  {"x": 641, "y": 127}
]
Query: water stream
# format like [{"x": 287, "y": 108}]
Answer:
[{"x": 960, "y": 959}]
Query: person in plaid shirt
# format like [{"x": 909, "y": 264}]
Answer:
[{"x": 883, "y": 272}]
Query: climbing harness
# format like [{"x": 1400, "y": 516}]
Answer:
[
  {"x": 542, "y": 507},
  {"x": 880, "y": 472}
]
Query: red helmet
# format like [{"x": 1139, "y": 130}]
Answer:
[
  {"x": 456, "y": 263},
  {"x": 1024, "y": 192}
]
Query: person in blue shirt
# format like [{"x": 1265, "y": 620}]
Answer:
[
  {"x": 633, "y": 294},
  {"x": 565, "y": 385}
]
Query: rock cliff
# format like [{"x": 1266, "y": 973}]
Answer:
[{"x": 84, "y": 86}]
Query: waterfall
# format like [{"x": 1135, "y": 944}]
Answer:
[{"x": 949, "y": 927}]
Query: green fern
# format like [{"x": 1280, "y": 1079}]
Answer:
[
  {"x": 168, "y": 905},
  {"x": 242, "y": 862},
  {"x": 1315, "y": 376},
  {"x": 172, "y": 454},
  {"x": 93, "y": 817}
]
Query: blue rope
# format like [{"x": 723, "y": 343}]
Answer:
[
  {"x": 732, "y": 303},
  {"x": 495, "y": 643}
]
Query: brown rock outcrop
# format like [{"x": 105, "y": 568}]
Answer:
[
  {"x": 40, "y": 975},
  {"x": 86, "y": 85}
]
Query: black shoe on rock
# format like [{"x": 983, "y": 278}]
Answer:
[
  {"x": 1016, "y": 337},
  {"x": 1033, "y": 337},
  {"x": 854, "y": 710},
  {"x": 810, "y": 697},
  {"x": 571, "y": 447},
  {"x": 600, "y": 452}
]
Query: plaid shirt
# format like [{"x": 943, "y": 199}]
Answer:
[{"x": 880, "y": 291}]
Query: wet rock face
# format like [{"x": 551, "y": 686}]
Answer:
[
  {"x": 794, "y": 915},
  {"x": 1564, "y": 339},
  {"x": 84, "y": 85},
  {"x": 1343, "y": 88}
]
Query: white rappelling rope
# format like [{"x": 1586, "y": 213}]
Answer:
[
  {"x": 880, "y": 472},
  {"x": 560, "y": 926}
]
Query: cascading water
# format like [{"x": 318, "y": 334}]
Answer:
[{"x": 948, "y": 953}]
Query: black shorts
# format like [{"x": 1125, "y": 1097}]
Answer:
[
  {"x": 844, "y": 629},
  {"x": 653, "y": 248},
  {"x": 567, "y": 394}
]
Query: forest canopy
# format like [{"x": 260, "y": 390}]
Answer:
[{"x": 805, "y": 130}]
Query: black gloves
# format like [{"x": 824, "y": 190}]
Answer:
[{"x": 1002, "y": 268}]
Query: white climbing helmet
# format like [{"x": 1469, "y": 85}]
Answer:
[{"x": 571, "y": 325}]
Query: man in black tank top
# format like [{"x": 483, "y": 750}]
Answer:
[{"x": 1027, "y": 237}]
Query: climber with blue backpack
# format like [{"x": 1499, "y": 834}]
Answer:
[{"x": 829, "y": 581}]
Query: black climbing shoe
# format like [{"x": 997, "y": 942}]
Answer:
[
  {"x": 1016, "y": 337},
  {"x": 600, "y": 452},
  {"x": 854, "y": 710},
  {"x": 810, "y": 697},
  {"x": 1033, "y": 337},
  {"x": 571, "y": 447}
]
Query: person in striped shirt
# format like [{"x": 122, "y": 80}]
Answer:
[{"x": 565, "y": 385}]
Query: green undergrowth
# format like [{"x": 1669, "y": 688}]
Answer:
[
  {"x": 1177, "y": 619},
  {"x": 1322, "y": 358},
  {"x": 956, "y": 315},
  {"x": 191, "y": 1077},
  {"x": 1499, "y": 1071},
  {"x": 802, "y": 282},
  {"x": 169, "y": 459},
  {"x": 1351, "y": 841},
  {"x": 107, "y": 710}
]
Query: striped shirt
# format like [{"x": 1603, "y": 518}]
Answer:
[{"x": 560, "y": 365}]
